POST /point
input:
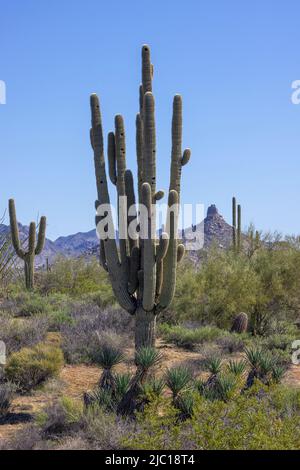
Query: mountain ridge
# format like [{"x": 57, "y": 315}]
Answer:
[{"x": 213, "y": 229}]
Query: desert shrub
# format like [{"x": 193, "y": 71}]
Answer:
[
  {"x": 18, "y": 333},
  {"x": 76, "y": 277},
  {"x": 30, "y": 367},
  {"x": 266, "y": 286},
  {"x": 232, "y": 343},
  {"x": 33, "y": 304},
  {"x": 218, "y": 425},
  {"x": 188, "y": 337},
  {"x": 80, "y": 337},
  {"x": 59, "y": 418},
  {"x": 6, "y": 395}
]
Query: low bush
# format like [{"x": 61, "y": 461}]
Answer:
[
  {"x": 76, "y": 277},
  {"x": 80, "y": 341},
  {"x": 220, "y": 425},
  {"x": 30, "y": 367},
  {"x": 6, "y": 395},
  {"x": 189, "y": 338},
  {"x": 18, "y": 333}
]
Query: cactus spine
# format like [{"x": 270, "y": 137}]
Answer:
[
  {"x": 143, "y": 271},
  {"x": 33, "y": 247}
]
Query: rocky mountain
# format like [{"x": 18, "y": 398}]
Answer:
[
  {"x": 213, "y": 228},
  {"x": 50, "y": 251}
]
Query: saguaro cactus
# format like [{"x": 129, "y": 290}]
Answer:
[
  {"x": 234, "y": 222},
  {"x": 239, "y": 227},
  {"x": 143, "y": 270},
  {"x": 33, "y": 248},
  {"x": 236, "y": 227}
]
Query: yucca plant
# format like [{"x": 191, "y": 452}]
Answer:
[
  {"x": 236, "y": 367},
  {"x": 200, "y": 385},
  {"x": 262, "y": 366},
  {"x": 185, "y": 403},
  {"x": 253, "y": 356},
  {"x": 100, "y": 397},
  {"x": 214, "y": 366},
  {"x": 266, "y": 365},
  {"x": 108, "y": 357},
  {"x": 225, "y": 387},
  {"x": 178, "y": 379},
  {"x": 122, "y": 382},
  {"x": 277, "y": 373},
  {"x": 146, "y": 358}
]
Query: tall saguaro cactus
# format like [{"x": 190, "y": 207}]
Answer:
[
  {"x": 33, "y": 247},
  {"x": 143, "y": 270}
]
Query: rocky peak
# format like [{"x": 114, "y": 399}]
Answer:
[{"x": 212, "y": 211}]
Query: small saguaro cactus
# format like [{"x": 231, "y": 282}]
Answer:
[
  {"x": 33, "y": 248},
  {"x": 142, "y": 271}
]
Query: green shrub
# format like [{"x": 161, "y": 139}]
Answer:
[
  {"x": 189, "y": 338},
  {"x": 220, "y": 425},
  {"x": 76, "y": 277},
  {"x": 30, "y": 367}
]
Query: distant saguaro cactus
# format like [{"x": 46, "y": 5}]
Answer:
[
  {"x": 240, "y": 323},
  {"x": 236, "y": 225},
  {"x": 234, "y": 222},
  {"x": 239, "y": 227},
  {"x": 142, "y": 271},
  {"x": 33, "y": 248}
]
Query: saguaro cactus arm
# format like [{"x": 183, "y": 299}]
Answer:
[
  {"x": 41, "y": 236},
  {"x": 14, "y": 229},
  {"x": 118, "y": 271}
]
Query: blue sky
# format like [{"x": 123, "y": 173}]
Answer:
[{"x": 232, "y": 61}]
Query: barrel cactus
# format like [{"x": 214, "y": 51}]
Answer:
[
  {"x": 240, "y": 323},
  {"x": 33, "y": 247},
  {"x": 142, "y": 269}
]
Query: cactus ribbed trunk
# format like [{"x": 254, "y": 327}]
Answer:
[
  {"x": 29, "y": 272},
  {"x": 145, "y": 323}
]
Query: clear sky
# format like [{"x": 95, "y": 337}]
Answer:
[{"x": 232, "y": 61}]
